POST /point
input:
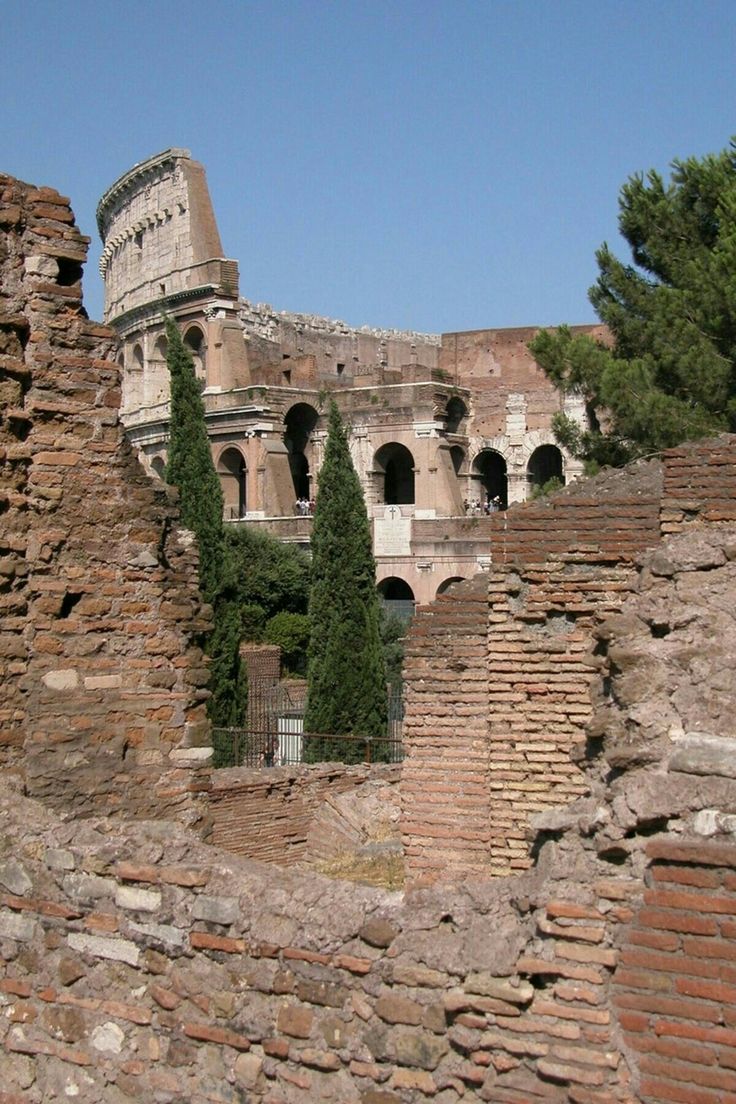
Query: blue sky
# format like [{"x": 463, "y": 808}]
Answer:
[{"x": 437, "y": 165}]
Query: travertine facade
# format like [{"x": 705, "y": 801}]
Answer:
[{"x": 435, "y": 421}]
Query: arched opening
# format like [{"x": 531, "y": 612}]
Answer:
[
  {"x": 394, "y": 467},
  {"x": 489, "y": 480},
  {"x": 397, "y": 597},
  {"x": 545, "y": 464},
  {"x": 232, "y": 472},
  {"x": 133, "y": 380},
  {"x": 454, "y": 414},
  {"x": 157, "y": 384},
  {"x": 158, "y": 466},
  {"x": 194, "y": 341},
  {"x": 299, "y": 423},
  {"x": 445, "y": 586}
]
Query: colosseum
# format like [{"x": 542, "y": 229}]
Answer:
[{"x": 442, "y": 427}]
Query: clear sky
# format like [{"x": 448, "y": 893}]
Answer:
[{"x": 427, "y": 164}]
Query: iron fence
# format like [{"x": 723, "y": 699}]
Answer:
[
  {"x": 247, "y": 748},
  {"x": 274, "y": 734}
]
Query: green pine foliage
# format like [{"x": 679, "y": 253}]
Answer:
[
  {"x": 190, "y": 468},
  {"x": 670, "y": 373},
  {"x": 346, "y": 671}
]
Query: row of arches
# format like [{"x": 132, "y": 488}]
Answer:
[
  {"x": 393, "y": 470},
  {"x": 194, "y": 340},
  {"x": 398, "y": 597},
  {"x": 393, "y": 463}
]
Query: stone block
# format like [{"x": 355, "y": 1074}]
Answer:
[
  {"x": 217, "y": 910},
  {"x": 142, "y": 900},
  {"x": 295, "y": 1020},
  {"x": 14, "y": 878},
  {"x": 65, "y": 678},
  {"x": 13, "y": 926},
  {"x": 117, "y": 950}
]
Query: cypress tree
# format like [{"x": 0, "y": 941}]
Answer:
[
  {"x": 190, "y": 468},
  {"x": 346, "y": 672},
  {"x": 669, "y": 374}
]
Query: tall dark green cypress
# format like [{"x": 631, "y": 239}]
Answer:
[
  {"x": 190, "y": 468},
  {"x": 346, "y": 671}
]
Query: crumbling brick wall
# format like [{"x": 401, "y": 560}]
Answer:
[
  {"x": 103, "y": 679},
  {"x": 172, "y": 970},
  {"x": 557, "y": 567},
  {"x": 469, "y": 790},
  {"x": 273, "y": 814}
]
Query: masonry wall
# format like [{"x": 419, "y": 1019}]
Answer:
[
  {"x": 275, "y": 815},
  {"x": 557, "y": 567},
  {"x": 101, "y": 673}
]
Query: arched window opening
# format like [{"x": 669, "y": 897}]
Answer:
[
  {"x": 161, "y": 348},
  {"x": 545, "y": 464},
  {"x": 137, "y": 359},
  {"x": 194, "y": 341},
  {"x": 232, "y": 472},
  {"x": 394, "y": 467},
  {"x": 445, "y": 586},
  {"x": 454, "y": 414},
  {"x": 397, "y": 597},
  {"x": 299, "y": 423},
  {"x": 489, "y": 480},
  {"x": 158, "y": 466}
]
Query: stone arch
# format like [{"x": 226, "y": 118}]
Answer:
[
  {"x": 396, "y": 596},
  {"x": 194, "y": 340},
  {"x": 393, "y": 469},
  {"x": 545, "y": 463},
  {"x": 158, "y": 466},
  {"x": 489, "y": 478},
  {"x": 232, "y": 472},
  {"x": 299, "y": 423},
  {"x": 455, "y": 412},
  {"x": 157, "y": 382},
  {"x": 447, "y": 583},
  {"x": 134, "y": 378}
]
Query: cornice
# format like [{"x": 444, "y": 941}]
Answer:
[{"x": 134, "y": 178}]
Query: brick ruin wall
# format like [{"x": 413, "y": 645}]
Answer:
[
  {"x": 101, "y": 671},
  {"x": 288, "y": 815},
  {"x": 138, "y": 963},
  {"x": 513, "y": 654}
]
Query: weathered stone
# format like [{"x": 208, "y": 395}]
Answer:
[
  {"x": 417, "y": 1048},
  {"x": 703, "y": 753},
  {"x": 378, "y": 933},
  {"x": 108, "y": 1037},
  {"x": 295, "y": 1020},
  {"x": 118, "y": 950},
  {"x": 14, "y": 878},
  {"x": 218, "y": 910},
  {"x": 398, "y": 1010},
  {"x": 17, "y": 927},
  {"x": 141, "y": 900}
]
